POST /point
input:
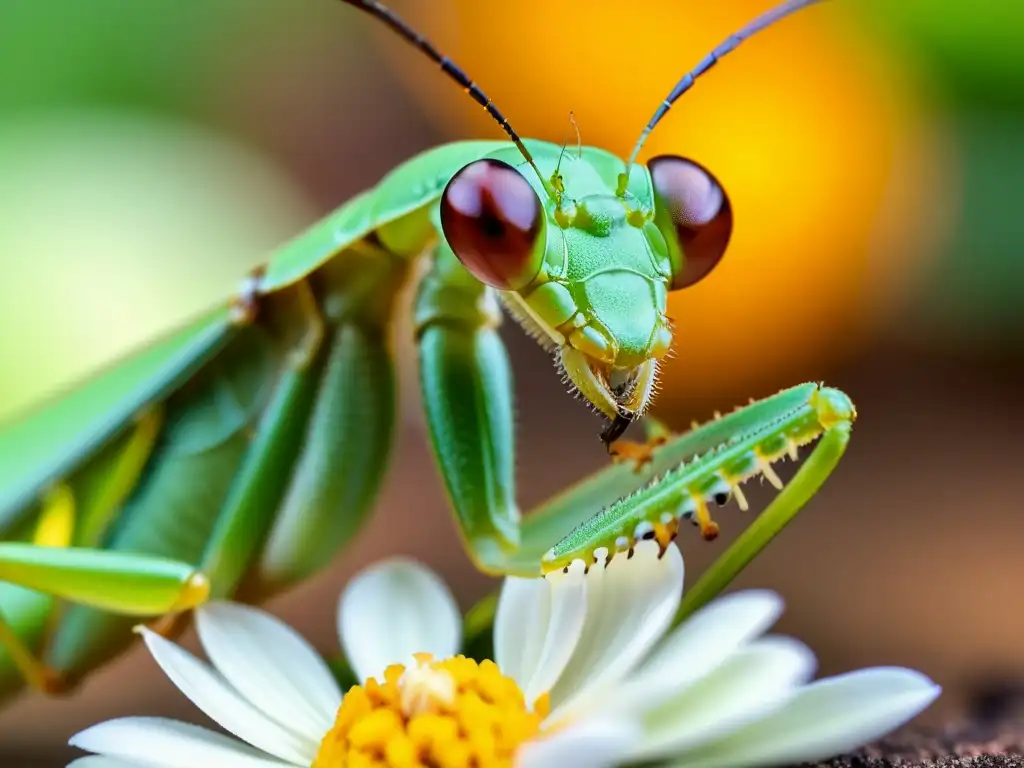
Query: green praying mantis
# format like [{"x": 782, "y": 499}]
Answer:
[{"x": 238, "y": 455}]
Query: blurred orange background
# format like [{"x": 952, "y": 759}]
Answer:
[{"x": 871, "y": 150}]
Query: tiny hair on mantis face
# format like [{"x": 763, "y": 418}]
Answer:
[{"x": 238, "y": 456}]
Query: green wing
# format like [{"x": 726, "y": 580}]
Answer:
[{"x": 50, "y": 442}]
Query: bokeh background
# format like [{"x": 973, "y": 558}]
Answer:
[{"x": 151, "y": 152}]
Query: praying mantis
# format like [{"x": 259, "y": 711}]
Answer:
[{"x": 238, "y": 455}]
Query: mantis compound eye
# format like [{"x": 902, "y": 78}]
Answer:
[
  {"x": 695, "y": 207},
  {"x": 492, "y": 219}
]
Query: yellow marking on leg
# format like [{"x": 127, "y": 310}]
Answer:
[
  {"x": 195, "y": 592},
  {"x": 708, "y": 527},
  {"x": 774, "y": 479},
  {"x": 665, "y": 534},
  {"x": 56, "y": 524},
  {"x": 737, "y": 493},
  {"x": 765, "y": 465}
]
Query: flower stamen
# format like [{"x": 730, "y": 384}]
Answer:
[
  {"x": 454, "y": 713},
  {"x": 425, "y": 689}
]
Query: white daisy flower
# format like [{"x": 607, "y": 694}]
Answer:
[{"x": 585, "y": 673}]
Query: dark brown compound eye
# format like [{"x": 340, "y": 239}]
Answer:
[
  {"x": 492, "y": 218},
  {"x": 699, "y": 210}
]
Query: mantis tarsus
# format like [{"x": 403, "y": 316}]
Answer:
[{"x": 238, "y": 455}]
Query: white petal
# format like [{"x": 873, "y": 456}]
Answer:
[
  {"x": 827, "y": 718},
  {"x": 701, "y": 644},
  {"x": 169, "y": 744},
  {"x": 212, "y": 694},
  {"x": 271, "y": 665},
  {"x": 100, "y": 761},
  {"x": 568, "y": 611},
  {"x": 752, "y": 683},
  {"x": 521, "y": 626},
  {"x": 715, "y": 631},
  {"x": 592, "y": 743},
  {"x": 630, "y": 605},
  {"x": 392, "y": 610}
]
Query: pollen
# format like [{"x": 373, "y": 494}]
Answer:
[{"x": 455, "y": 713}]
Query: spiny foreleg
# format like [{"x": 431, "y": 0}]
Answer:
[{"x": 686, "y": 491}]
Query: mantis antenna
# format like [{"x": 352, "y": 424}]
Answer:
[
  {"x": 579, "y": 142},
  {"x": 728, "y": 45},
  {"x": 449, "y": 67}
]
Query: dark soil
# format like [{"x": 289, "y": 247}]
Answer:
[{"x": 991, "y": 736}]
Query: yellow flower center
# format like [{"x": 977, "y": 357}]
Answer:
[{"x": 439, "y": 714}]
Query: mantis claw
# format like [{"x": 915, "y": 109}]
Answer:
[{"x": 615, "y": 429}]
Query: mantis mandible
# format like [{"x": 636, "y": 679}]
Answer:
[{"x": 238, "y": 455}]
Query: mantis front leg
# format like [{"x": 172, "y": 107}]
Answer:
[
  {"x": 694, "y": 472},
  {"x": 605, "y": 514},
  {"x": 466, "y": 384}
]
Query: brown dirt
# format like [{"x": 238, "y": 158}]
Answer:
[{"x": 990, "y": 736}]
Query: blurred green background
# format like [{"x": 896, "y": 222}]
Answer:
[{"x": 152, "y": 152}]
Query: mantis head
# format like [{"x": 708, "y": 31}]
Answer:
[
  {"x": 584, "y": 259},
  {"x": 586, "y": 269}
]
